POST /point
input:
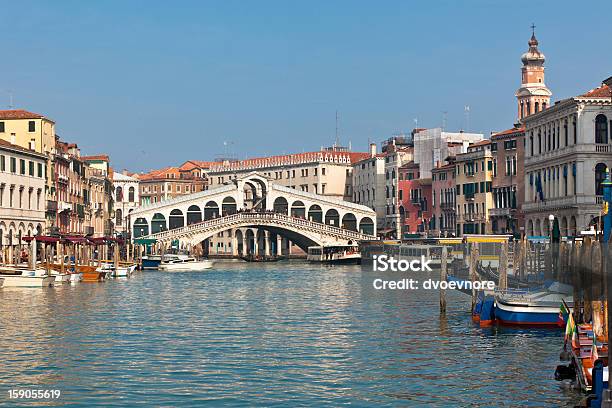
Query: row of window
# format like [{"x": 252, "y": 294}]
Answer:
[
  {"x": 21, "y": 166},
  {"x": 31, "y": 126},
  {"x": 20, "y": 197}
]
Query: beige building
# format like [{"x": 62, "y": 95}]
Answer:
[
  {"x": 22, "y": 197},
  {"x": 126, "y": 198},
  {"x": 474, "y": 182},
  {"x": 369, "y": 184},
  {"x": 100, "y": 193}
]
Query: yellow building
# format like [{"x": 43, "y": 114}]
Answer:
[
  {"x": 474, "y": 182},
  {"x": 28, "y": 130}
]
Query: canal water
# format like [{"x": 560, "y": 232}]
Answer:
[{"x": 278, "y": 334}]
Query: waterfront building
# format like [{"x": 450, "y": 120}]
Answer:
[
  {"x": 443, "y": 199},
  {"x": 22, "y": 197},
  {"x": 474, "y": 182},
  {"x": 369, "y": 183},
  {"x": 508, "y": 148},
  {"x": 433, "y": 146},
  {"x": 414, "y": 194},
  {"x": 99, "y": 196},
  {"x": 397, "y": 151},
  {"x": 568, "y": 151},
  {"x": 126, "y": 198},
  {"x": 169, "y": 182}
]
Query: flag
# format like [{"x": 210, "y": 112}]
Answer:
[
  {"x": 570, "y": 328},
  {"x": 594, "y": 353},
  {"x": 563, "y": 314}
]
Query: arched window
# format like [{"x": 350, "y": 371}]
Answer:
[
  {"x": 131, "y": 193},
  {"x": 601, "y": 129},
  {"x": 600, "y": 176},
  {"x": 543, "y": 105},
  {"x": 119, "y": 194},
  {"x": 118, "y": 216},
  {"x": 537, "y": 107}
]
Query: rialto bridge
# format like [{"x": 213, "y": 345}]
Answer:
[{"x": 257, "y": 216}]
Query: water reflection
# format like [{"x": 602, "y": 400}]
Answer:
[{"x": 267, "y": 334}]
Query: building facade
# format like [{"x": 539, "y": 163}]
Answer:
[
  {"x": 126, "y": 197},
  {"x": 22, "y": 197},
  {"x": 414, "y": 194},
  {"x": 443, "y": 200},
  {"x": 568, "y": 151},
  {"x": 369, "y": 184},
  {"x": 508, "y": 148},
  {"x": 474, "y": 177}
]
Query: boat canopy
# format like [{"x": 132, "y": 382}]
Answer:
[{"x": 41, "y": 238}]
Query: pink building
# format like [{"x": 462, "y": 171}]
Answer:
[{"x": 415, "y": 200}]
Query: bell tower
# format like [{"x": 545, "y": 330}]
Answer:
[{"x": 533, "y": 95}]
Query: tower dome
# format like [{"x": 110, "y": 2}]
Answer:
[{"x": 533, "y": 56}]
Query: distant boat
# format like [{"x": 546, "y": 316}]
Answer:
[
  {"x": 257, "y": 258},
  {"x": 337, "y": 254},
  {"x": 185, "y": 265}
]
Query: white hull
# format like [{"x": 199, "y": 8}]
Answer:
[
  {"x": 61, "y": 277},
  {"x": 20, "y": 281},
  {"x": 76, "y": 277},
  {"x": 186, "y": 266}
]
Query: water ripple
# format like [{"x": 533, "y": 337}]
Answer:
[{"x": 266, "y": 335}]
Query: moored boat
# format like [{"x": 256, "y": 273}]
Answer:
[
  {"x": 30, "y": 278},
  {"x": 537, "y": 308},
  {"x": 90, "y": 273}
]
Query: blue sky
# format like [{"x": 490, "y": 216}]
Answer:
[{"x": 157, "y": 83}]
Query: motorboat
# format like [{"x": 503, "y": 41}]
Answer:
[
  {"x": 25, "y": 278},
  {"x": 61, "y": 277},
  {"x": 337, "y": 254},
  {"x": 532, "y": 307},
  {"x": 185, "y": 264}
]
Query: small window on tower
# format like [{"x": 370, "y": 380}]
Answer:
[{"x": 540, "y": 80}]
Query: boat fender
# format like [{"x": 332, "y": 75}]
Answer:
[{"x": 565, "y": 372}]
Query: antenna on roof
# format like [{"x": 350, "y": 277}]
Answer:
[
  {"x": 416, "y": 123},
  {"x": 10, "y": 93},
  {"x": 444, "y": 117},
  {"x": 467, "y": 117},
  {"x": 337, "y": 135}
]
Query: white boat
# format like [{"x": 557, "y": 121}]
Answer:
[
  {"x": 76, "y": 277},
  {"x": 336, "y": 254},
  {"x": 27, "y": 279},
  {"x": 186, "y": 264},
  {"x": 61, "y": 277}
]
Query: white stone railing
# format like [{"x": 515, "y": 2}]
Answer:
[
  {"x": 321, "y": 198},
  {"x": 545, "y": 157},
  {"x": 264, "y": 218}
]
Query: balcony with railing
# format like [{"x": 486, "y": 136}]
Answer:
[
  {"x": 573, "y": 149},
  {"x": 500, "y": 212}
]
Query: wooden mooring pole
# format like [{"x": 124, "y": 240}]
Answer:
[
  {"x": 443, "y": 278},
  {"x": 473, "y": 275}
]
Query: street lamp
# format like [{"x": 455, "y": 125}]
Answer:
[{"x": 551, "y": 219}]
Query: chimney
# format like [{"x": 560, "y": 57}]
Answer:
[{"x": 372, "y": 149}]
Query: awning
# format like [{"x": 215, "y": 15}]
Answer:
[
  {"x": 75, "y": 239},
  {"x": 41, "y": 238}
]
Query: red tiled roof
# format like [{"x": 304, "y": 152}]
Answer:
[
  {"x": 193, "y": 164},
  {"x": 8, "y": 145},
  {"x": 508, "y": 132},
  {"x": 19, "y": 114},
  {"x": 103, "y": 157},
  {"x": 444, "y": 167},
  {"x": 481, "y": 143},
  {"x": 296, "y": 157},
  {"x": 603, "y": 91},
  {"x": 159, "y": 174}
]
